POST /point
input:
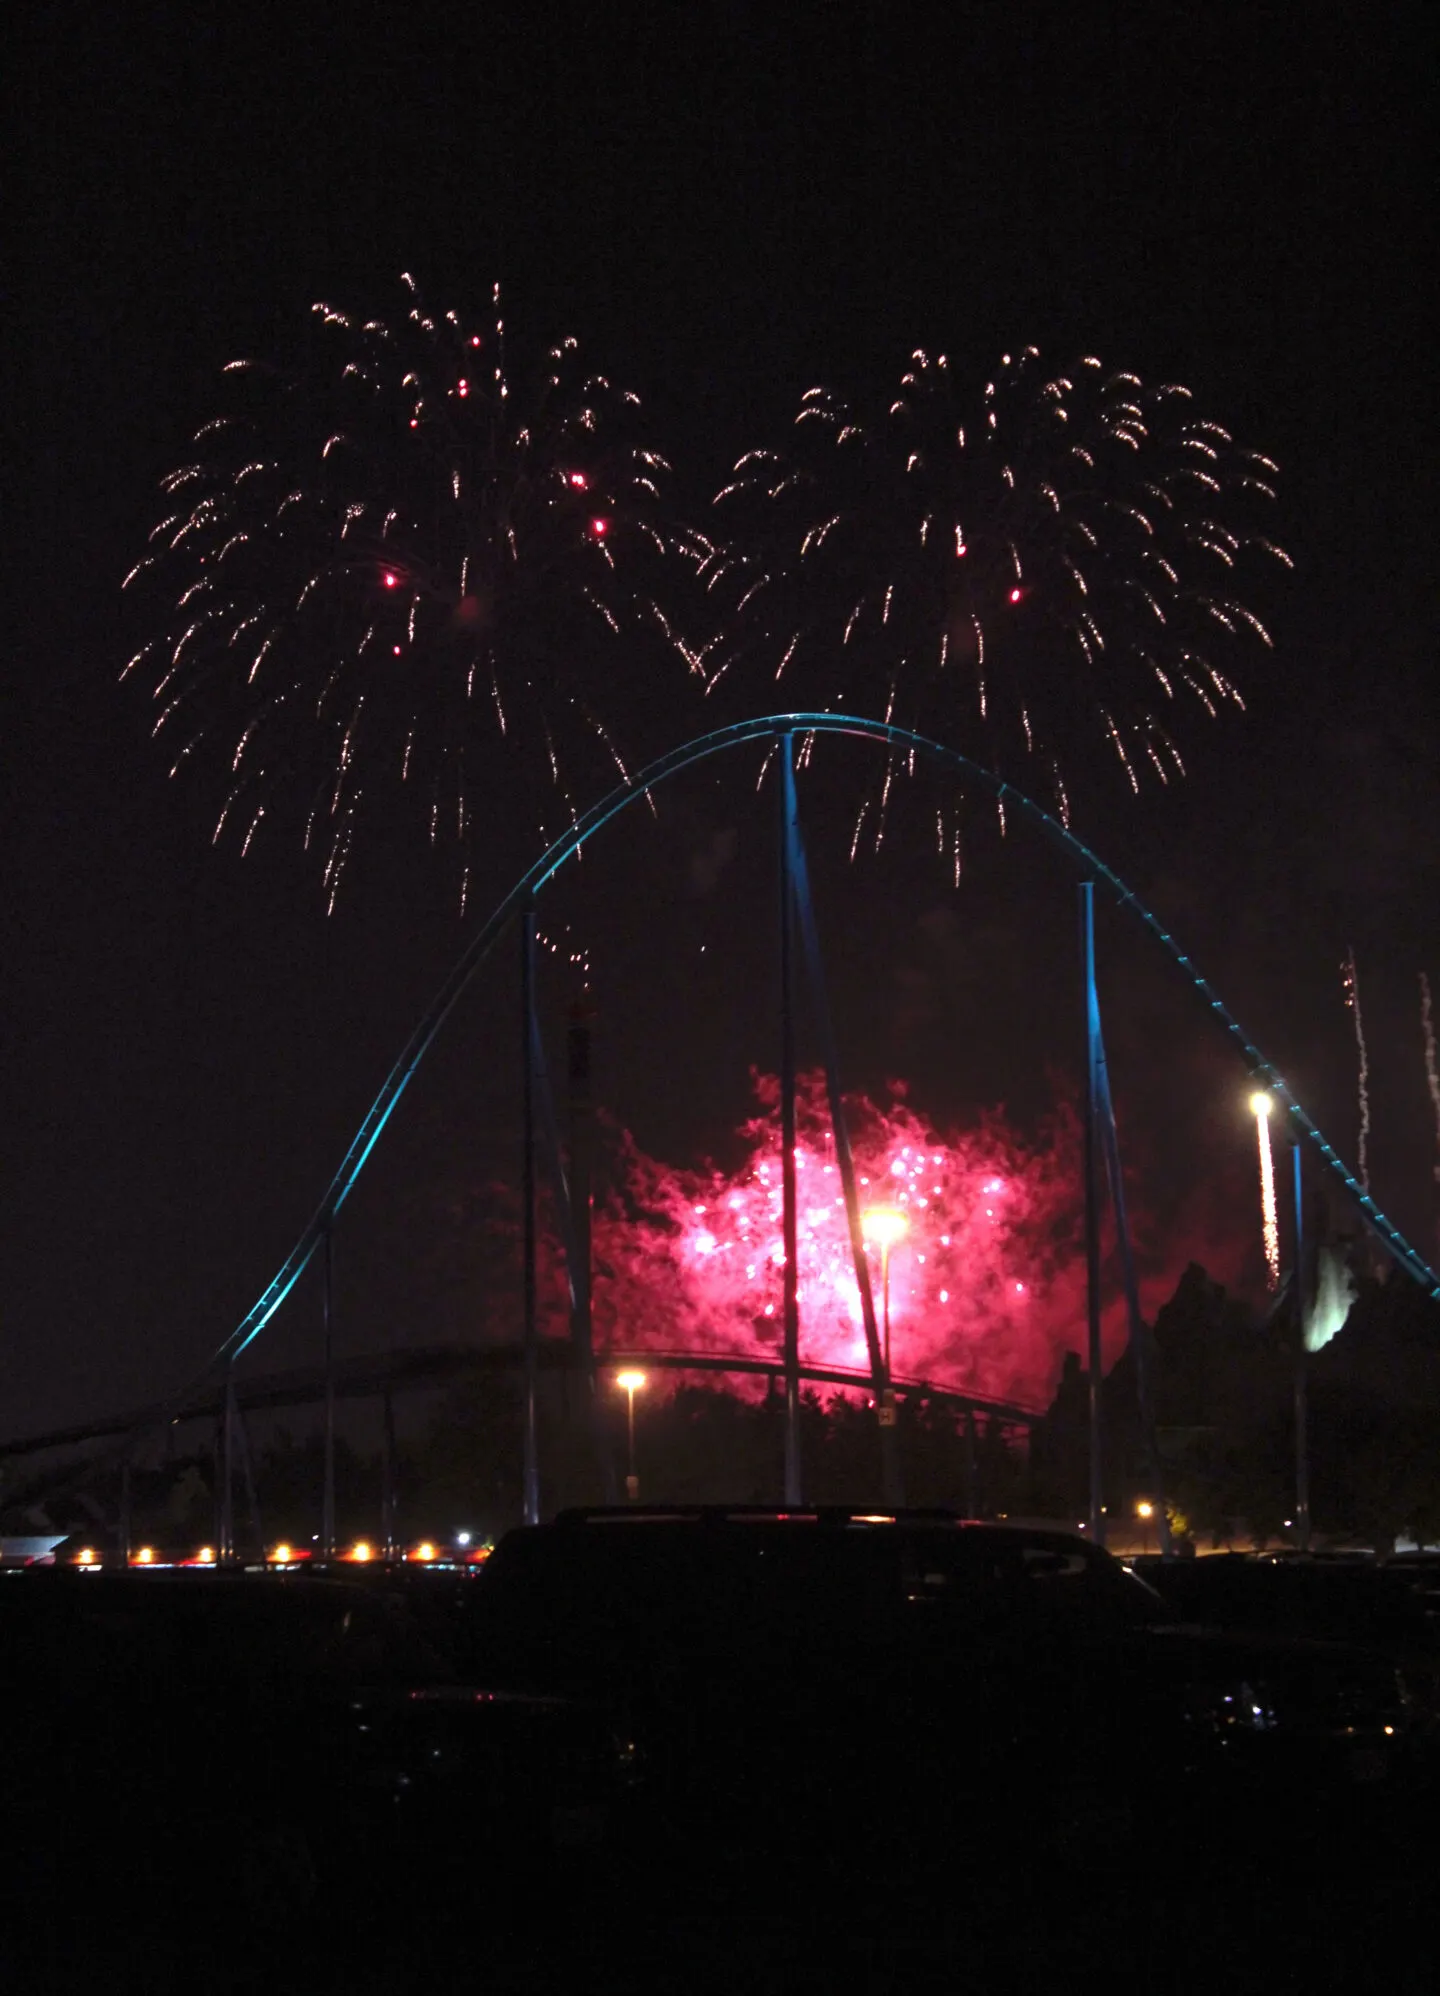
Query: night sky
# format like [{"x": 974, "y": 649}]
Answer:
[{"x": 725, "y": 204}]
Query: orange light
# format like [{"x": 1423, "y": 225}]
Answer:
[
  {"x": 1144, "y": 1509},
  {"x": 145, "y": 1556},
  {"x": 425, "y": 1550},
  {"x": 283, "y": 1554},
  {"x": 205, "y": 1556},
  {"x": 361, "y": 1550},
  {"x": 87, "y": 1556}
]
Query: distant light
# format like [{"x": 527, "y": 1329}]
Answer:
[
  {"x": 361, "y": 1550},
  {"x": 86, "y": 1556},
  {"x": 283, "y": 1554},
  {"x": 205, "y": 1556},
  {"x": 1260, "y": 1104},
  {"x": 704, "y": 1244},
  {"x": 391, "y": 579},
  {"x": 475, "y": 340},
  {"x": 1015, "y": 595},
  {"x": 1144, "y": 1509},
  {"x": 577, "y": 479},
  {"x": 884, "y": 1225},
  {"x": 145, "y": 1556},
  {"x": 464, "y": 387},
  {"x": 630, "y": 1382},
  {"x": 599, "y": 527},
  {"x": 462, "y": 1538},
  {"x": 425, "y": 1550}
]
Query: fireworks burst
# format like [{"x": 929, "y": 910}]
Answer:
[
  {"x": 1350, "y": 983},
  {"x": 1065, "y": 553},
  {"x": 986, "y": 1287},
  {"x": 383, "y": 563}
]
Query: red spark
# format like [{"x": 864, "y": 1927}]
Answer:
[
  {"x": 391, "y": 579},
  {"x": 599, "y": 527}
]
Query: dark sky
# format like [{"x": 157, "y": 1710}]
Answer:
[{"x": 726, "y": 204}]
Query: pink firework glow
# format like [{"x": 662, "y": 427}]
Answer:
[{"x": 986, "y": 1286}]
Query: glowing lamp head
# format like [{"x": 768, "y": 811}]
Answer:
[
  {"x": 424, "y": 1551},
  {"x": 145, "y": 1556},
  {"x": 1260, "y": 1104},
  {"x": 1144, "y": 1509},
  {"x": 362, "y": 1550},
  {"x": 630, "y": 1382},
  {"x": 884, "y": 1225},
  {"x": 205, "y": 1556},
  {"x": 283, "y": 1554},
  {"x": 85, "y": 1556}
]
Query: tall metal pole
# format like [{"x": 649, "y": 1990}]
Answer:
[
  {"x": 327, "y": 1499},
  {"x": 531, "y": 1467},
  {"x": 582, "y": 1292},
  {"x": 891, "y": 1482},
  {"x": 226, "y": 1548},
  {"x": 1302, "y": 1393},
  {"x": 387, "y": 1474},
  {"x": 1092, "y": 1213},
  {"x": 972, "y": 1466},
  {"x": 125, "y": 1527},
  {"x": 1139, "y": 1334},
  {"x": 791, "y": 1270}
]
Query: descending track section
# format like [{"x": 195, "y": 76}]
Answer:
[{"x": 772, "y": 727}]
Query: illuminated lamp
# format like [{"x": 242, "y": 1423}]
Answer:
[
  {"x": 424, "y": 1551},
  {"x": 87, "y": 1556},
  {"x": 361, "y": 1551},
  {"x": 145, "y": 1556}
]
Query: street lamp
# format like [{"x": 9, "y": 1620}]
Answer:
[
  {"x": 1145, "y": 1511},
  {"x": 884, "y": 1225},
  {"x": 631, "y": 1382}
]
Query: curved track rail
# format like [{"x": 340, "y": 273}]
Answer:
[{"x": 772, "y": 727}]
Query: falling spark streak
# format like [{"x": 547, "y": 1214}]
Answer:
[
  {"x": 1269, "y": 1220},
  {"x": 1350, "y": 981}
]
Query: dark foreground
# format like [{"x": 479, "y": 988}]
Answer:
[{"x": 714, "y": 1752}]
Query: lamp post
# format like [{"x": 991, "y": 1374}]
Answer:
[
  {"x": 884, "y": 1225},
  {"x": 1145, "y": 1511},
  {"x": 631, "y": 1382}
]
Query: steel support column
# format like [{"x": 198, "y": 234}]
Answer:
[
  {"x": 530, "y": 1466},
  {"x": 1098, "y": 1089},
  {"x": 884, "y": 1398},
  {"x": 387, "y": 1474},
  {"x": 1095, "y": 1357},
  {"x": 327, "y": 1497},
  {"x": 791, "y": 1271},
  {"x": 1302, "y": 1383}
]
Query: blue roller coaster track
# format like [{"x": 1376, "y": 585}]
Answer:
[{"x": 775, "y": 727}]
